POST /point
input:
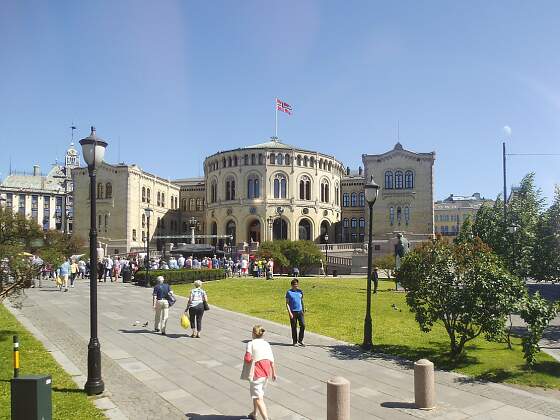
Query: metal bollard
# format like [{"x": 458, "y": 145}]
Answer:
[
  {"x": 16, "y": 356},
  {"x": 424, "y": 385},
  {"x": 338, "y": 399}
]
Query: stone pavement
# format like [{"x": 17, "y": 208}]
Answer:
[{"x": 150, "y": 376}]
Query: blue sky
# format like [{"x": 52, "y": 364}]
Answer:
[{"x": 174, "y": 81}]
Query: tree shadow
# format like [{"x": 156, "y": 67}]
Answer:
[
  {"x": 142, "y": 331},
  {"x": 195, "y": 416},
  {"x": 398, "y": 404},
  {"x": 6, "y": 334},
  {"x": 70, "y": 390},
  {"x": 552, "y": 333}
]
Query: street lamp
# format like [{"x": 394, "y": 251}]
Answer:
[
  {"x": 326, "y": 254},
  {"x": 93, "y": 149},
  {"x": 512, "y": 229},
  {"x": 371, "y": 191},
  {"x": 148, "y": 212}
]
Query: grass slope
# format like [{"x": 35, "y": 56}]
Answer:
[
  {"x": 336, "y": 308},
  {"x": 68, "y": 401}
]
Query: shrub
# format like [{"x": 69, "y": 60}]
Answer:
[
  {"x": 289, "y": 254},
  {"x": 182, "y": 276}
]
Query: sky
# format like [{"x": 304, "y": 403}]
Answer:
[{"x": 168, "y": 83}]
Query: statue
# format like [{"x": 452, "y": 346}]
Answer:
[{"x": 401, "y": 249}]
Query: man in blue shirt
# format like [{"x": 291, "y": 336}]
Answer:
[
  {"x": 64, "y": 272},
  {"x": 294, "y": 304}
]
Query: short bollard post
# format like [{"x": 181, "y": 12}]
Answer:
[
  {"x": 424, "y": 387},
  {"x": 16, "y": 356},
  {"x": 338, "y": 399}
]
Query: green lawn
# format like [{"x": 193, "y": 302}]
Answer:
[
  {"x": 68, "y": 402},
  {"x": 336, "y": 308}
]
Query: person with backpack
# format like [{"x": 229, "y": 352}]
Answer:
[{"x": 160, "y": 302}]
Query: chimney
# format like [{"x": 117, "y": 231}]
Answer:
[
  {"x": 36, "y": 170},
  {"x": 360, "y": 171},
  {"x": 348, "y": 170}
]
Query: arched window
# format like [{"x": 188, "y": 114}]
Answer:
[
  {"x": 408, "y": 180},
  {"x": 106, "y": 222},
  {"x": 398, "y": 180},
  {"x": 345, "y": 222},
  {"x": 392, "y": 215},
  {"x": 362, "y": 223},
  {"x": 253, "y": 187},
  {"x": 235, "y": 160},
  {"x": 406, "y": 215},
  {"x": 312, "y": 162},
  {"x": 272, "y": 158},
  {"x": 213, "y": 192},
  {"x": 388, "y": 180},
  {"x": 230, "y": 188},
  {"x": 148, "y": 195},
  {"x": 399, "y": 215},
  {"x": 362, "y": 199},
  {"x": 246, "y": 160},
  {"x": 162, "y": 199},
  {"x": 224, "y": 162},
  {"x": 100, "y": 191},
  {"x": 143, "y": 194},
  {"x": 324, "y": 191},
  {"x": 305, "y": 188},
  {"x": 108, "y": 190},
  {"x": 287, "y": 159},
  {"x": 330, "y": 166},
  {"x": 336, "y": 195},
  {"x": 354, "y": 223},
  {"x": 305, "y": 161},
  {"x": 199, "y": 204},
  {"x": 354, "y": 200},
  {"x": 230, "y": 161},
  {"x": 280, "y": 186},
  {"x": 345, "y": 200},
  {"x": 231, "y": 231},
  {"x": 143, "y": 220},
  {"x": 298, "y": 160},
  {"x": 279, "y": 159}
]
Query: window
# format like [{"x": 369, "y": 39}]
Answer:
[
  {"x": 224, "y": 162},
  {"x": 199, "y": 204},
  {"x": 46, "y": 212},
  {"x": 305, "y": 161},
  {"x": 312, "y": 162},
  {"x": 272, "y": 158},
  {"x": 362, "y": 223},
  {"x": 408, "y": 180},
  {"x": 345, "y": 222},
  {"x": 148, "y": 196},
  {"x": 406, "y": 215},
  {"x": 158, "y": 198},
  {"x": 253, "y": 159},
  {"x": 305, "y": 188},
  {"x": 162, "y": 199},
  {"x": 253, "y": 187},
  {"x": 21, "y": 204},
  {"x": 280, "y": 186},
  {"x": 143, "y": 220},
  {"x": 398, "y": 180},
  {"x": 354, "y": 199},
  {"x": 35, "y": 207},
  {"x": 287, "y": 159},
  {"x": 99, "y": 191},
  {"x": 9, "y": 200},
  {"x": 345, "y": 200},
  {"x": 336, "y": 195},
  {"x": 246, "y": 160},
  {"x": 324, "y": 191},
  {"x": 106, "y": 222},
  {"x": 230, "y": 189},
  {"x": 261, "y": 159},
  {"x": 235, "y": 161},
  {"x": 99, "y": 222},
  {"x": 143, "y": 194},
  {"x": 108, "y": 190},
  {"x": 392, "y": 215},
  {"x": 299, "y": 160},
  {"x": 230, "y": 161},
  {"x": 213, "y": 192},
  {"x": 362, "y": 199},
  {"x": 354, "y": 223},
  {"x": 399, "y": 215},
  {"x": 279, "y": 159},
  {"x": 133, "y": 234},
  {"x": 388, "y": 180}
]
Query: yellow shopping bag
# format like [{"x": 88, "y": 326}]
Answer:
[
  {"x": 185, "y": 323},
  {"x": 58, "y": 281}
]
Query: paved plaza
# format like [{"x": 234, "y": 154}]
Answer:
[{"x": 150, "y": 376}]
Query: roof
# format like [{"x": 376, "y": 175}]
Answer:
[
  {"x": 37, "y": 182},
  {"x": 274, "y": 143}
]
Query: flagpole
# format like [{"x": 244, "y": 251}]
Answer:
[{"x": 276, "y": 117}]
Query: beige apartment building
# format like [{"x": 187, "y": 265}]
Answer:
[
  {"x": 352, "y": 226},
  {"x": 450, "y": 213}
]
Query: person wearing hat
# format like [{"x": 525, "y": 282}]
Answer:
[{"x": 375, "y": 279}]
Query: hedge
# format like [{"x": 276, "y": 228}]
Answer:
[{"x": 179, "y": 276}]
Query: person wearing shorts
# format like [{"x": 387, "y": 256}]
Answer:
[{"x": 258, "y": 367}]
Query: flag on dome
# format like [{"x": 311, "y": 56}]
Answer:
[{"x": 283, "y": 106}]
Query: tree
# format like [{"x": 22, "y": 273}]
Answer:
[
  {"x": 466, "y": 232},
  {"x": 274, "y": 250},
  {"x": 546, "y": 251},
  {"x": 464, "y": 286},
  {"x": 301, "y": 254},
  {"x": 386, "y": 263}
]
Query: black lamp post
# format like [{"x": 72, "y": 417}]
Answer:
[
  {"x": 148, "y": 212},
  {"x": 326, "y": 254},
  {"x": 93, "y": 149},
  {"x": 371, "y": 191}
]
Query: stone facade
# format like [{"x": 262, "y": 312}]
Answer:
[
  {"x": 406, "y": 195},
  {"x": 123, "y": 192},
  {"x": 352, "y": 227},
  {"x": 192, "y": 198},
  {"x": 47, "y": 199},
  {"x": 272, "y": 191},
  {"x": 450, "y": 213}
]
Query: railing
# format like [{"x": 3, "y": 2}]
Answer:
[
  {"x": 342, "y": 247},
  {"x": 339, "y": 260}
]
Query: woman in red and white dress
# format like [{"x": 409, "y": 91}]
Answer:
[{"x": 258, "y": 367}]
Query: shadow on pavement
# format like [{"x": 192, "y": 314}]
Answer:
[
  {"x": 142, "y": 331},
  {"x": 194, "y": 416},
  {"x": 397, "y": 404}
]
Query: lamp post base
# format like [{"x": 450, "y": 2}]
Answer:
[
  {"x": 368, "y": 334},
  {"x": 94, "y": 384}
]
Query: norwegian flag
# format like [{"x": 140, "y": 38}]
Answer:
[{"x": 283, "y": 106}]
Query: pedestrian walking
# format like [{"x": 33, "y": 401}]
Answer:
[
  {"x": 160, "y": 303},
  {"x": 375, "y": 279},
  {"x": 258, "y": 368},
  {"x": 64, "y": 272},
  {"x": 294, "y": 304},
  {"x": 198, "y": 303},
  {"x": 73, "y": 272}
]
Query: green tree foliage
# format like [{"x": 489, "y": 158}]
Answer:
[
  {"x": 21, "y": 237},
  {"x": 546, "y": 252},
  {"x": 466, "y": 232},
  {"x": 489, "y": 226},
  {"x": 464, "y": 286},
  {"x": 289, "y": 254},
  {"x": 386, "y": 263},
  {"x": 537, "y": 313}
]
